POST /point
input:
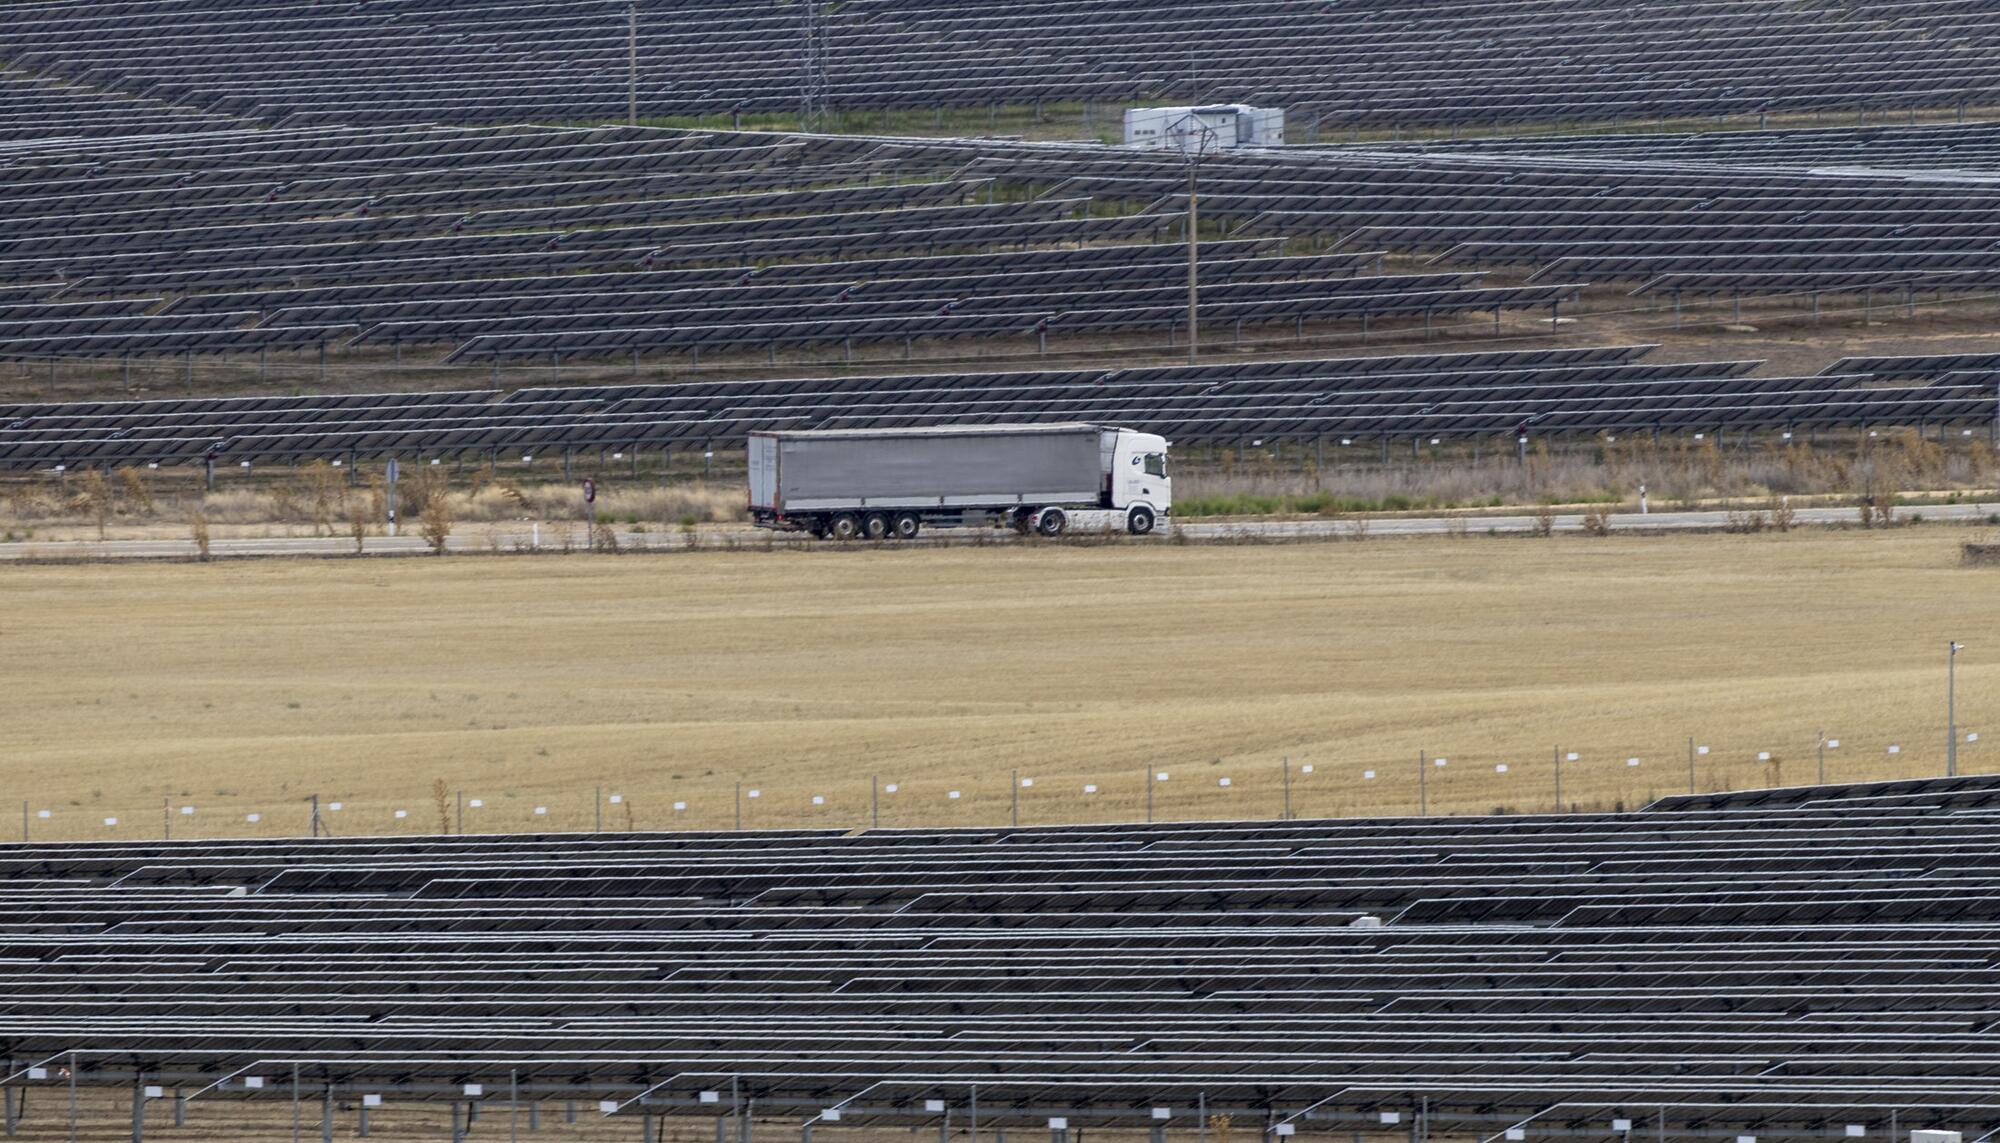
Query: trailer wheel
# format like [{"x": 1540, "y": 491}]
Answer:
[
  {"x": 875, "y": 526},
  {"x": 845, "y": 526},
  {"x": 1052, "y": 522},
  {"x": 1022, "y": 521},
  {"x": 907, "y": 525},
  {"x": 1140, "y": 522}
]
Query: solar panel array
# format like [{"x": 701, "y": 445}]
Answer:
[
  {"x": 533, "y": 244},
  {"x": 1900, "y": 210},
  {"x": 1820, "y": 960},
  {"x": 550, "y": 244},
  {"x": 1359, "y": 62},
  {"x": 1538, "y": 392}
]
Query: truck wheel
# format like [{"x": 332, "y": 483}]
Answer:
[
  {"x": 907, "y": 526},
  {"x": 1140, "y": 522},
  {"x": 845, "y": 526},
  {"x": 875, "y": 526},
  {"x": 1052, "y": 523}
]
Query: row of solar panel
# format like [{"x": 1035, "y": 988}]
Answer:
[
  {"x": 1330, "y": 975},
  {"x": 496, "y": 62},
  {"x": 1371, "y": 398}
]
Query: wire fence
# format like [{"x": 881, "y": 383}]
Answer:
[{"x": 1560, "y": 779}]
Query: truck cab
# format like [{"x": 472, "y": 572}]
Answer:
[{"x": 1137, "y": 479}]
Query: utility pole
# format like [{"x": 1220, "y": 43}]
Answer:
[
  {"x": 1194, "y": 245},
  {"x": 1951, "y": 709},
  {"x": 813, "y": 80},
  {"x": 1193, "y": 150},
  {"x": 632, "y": 68}
]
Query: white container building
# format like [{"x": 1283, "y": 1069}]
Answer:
[{"x": 1214, "y": 127}]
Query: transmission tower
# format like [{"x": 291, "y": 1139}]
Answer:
[{"x": 812, "y": 61}]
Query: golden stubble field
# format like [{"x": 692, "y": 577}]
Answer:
[{"x": 240, "y": 688}]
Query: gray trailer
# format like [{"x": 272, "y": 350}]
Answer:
[{"x": 892, "y": 483}]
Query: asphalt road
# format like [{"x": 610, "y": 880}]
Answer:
[{"x": 723, "y": 537}]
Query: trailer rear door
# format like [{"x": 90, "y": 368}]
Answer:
[{"x": 763, "y": 464}]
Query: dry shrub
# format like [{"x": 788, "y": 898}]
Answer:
[
  {"x": 378, "y": 497},
  {"x": 238, "y": 506},
  {"x": 441, "y": 797},
  {"x": 324, "y": 495},
  {"x": 94, "y": 498},
  {"x": 604, "y": 538},
  {"x": 284, "y": 501},
  {"x": 1746, "y": 520},
  {"x": 650, "y": 503},
  {"x": 135, "y": 491},
  {"x": 1783, "y": 516},
  {"x": 198, "y": 532},
  {"x": 436, "y": 521},
  {"x": 357, "y": 524},
  {"x": 1597, "y": 520},
  {"x": 417, "y": 495},
  {"x": 1545, "y": 520}
]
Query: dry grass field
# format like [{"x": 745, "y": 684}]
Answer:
[{"x": 529, "y": 681}]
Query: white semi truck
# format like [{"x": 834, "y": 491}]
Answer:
[{"x": 845, "y": 484}]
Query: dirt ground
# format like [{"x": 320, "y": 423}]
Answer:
[{"x": 241, "y": 689}]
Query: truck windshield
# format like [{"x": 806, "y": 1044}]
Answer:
[{"x": 1156, "y": 464}]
